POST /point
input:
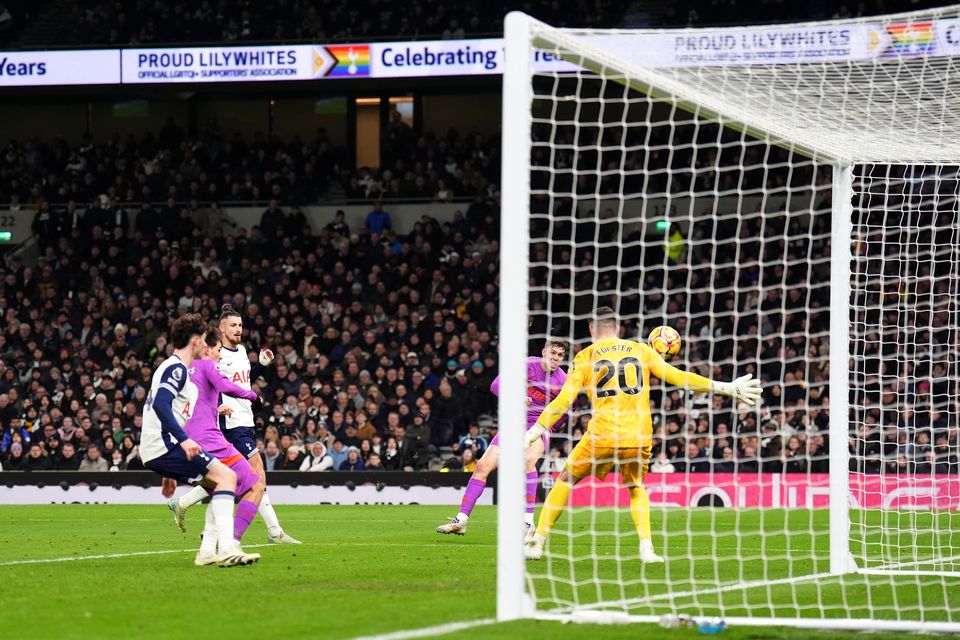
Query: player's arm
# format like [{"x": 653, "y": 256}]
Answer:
[
  {"x": 565, "y": 418},
  {"x": 224, "y": 387},
  {"x": 495, "y": 386},
  {"x": 172, "y": 383},
  {"x": 260, "y": 366},
  {"x": 745, "y": 388},
  {"x": 557, "y": 409}
]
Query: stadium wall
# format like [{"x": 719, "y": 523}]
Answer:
[
  {"x": 638, "y": 213},
  {"x": 403, "y": 216}
]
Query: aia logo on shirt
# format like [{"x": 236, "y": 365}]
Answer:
[{"x": 241, "y": 376}]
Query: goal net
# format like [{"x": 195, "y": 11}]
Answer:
[{"x": 785, "y": 197}]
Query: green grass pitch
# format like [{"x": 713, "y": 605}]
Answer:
[{"x": 376, "y": 569}]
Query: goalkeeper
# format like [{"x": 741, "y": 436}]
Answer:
[{"x": 615, "y": 374}]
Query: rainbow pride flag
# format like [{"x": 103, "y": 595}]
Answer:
[
  {"x": 353, "y": 60},
  {"x": 910, "y": 38}
]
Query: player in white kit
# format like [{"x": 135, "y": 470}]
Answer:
[
  {"x": 237, "y": 425},
  {"x": 165, "y": 448}
]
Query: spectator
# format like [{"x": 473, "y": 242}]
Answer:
[
  {"x": 391, "y": 455},
  {"x": 68, "y": 460},
  {"x": 93, "y": 461},
  {"x": 37, "y": 459},
  {"x": 662, "y": 464},
  {"x": 271, "y": 456},
  {"x": 338, "y": 454},
  {"x": 373, "y": 463},
  {"x": 416, "y": 443},
  {"x": 353, "y": 461},
  {"x": 366, "y": 448},
  {"x": 318, "y": 460},
  {"x": 378, "y": 220},
  {"x": 339, "y": 226},
  {"x": 292, "y": 460},
  {"x": 15, "y": 459},
  {"x": 271, "y": 221},
  {"x": 117, "y": 461},
  {"x": 467, "y": 461},
  {"x": 472, "y": 440},
  {"x": 727, "y": 463}
]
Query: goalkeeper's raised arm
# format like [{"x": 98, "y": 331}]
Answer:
[
  {"x": 746, "y": 388},
  {"x": 615, "y": 373}
]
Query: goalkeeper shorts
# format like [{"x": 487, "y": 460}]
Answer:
[{"x": 591, "y": 459}]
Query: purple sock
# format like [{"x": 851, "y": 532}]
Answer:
[
  {"x": 471, "y": 495},
  {"x": 532, "y": 478},
  {"x": 246, "y": 510}
]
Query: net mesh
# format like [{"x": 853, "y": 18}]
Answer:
[
  {"x": 906, "y": 274},
  {"x": 700, "y": 198}
]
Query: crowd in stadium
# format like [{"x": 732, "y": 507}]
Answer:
[
  {"x": 211, "y": 167},
  {"x": 386, "y": 345},
  {"x": 387, "y": 340}
]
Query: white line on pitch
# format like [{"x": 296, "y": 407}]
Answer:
[
  {"x": 698, "y": 592},
  {"x": 108, "y": 555},
  {"x": 427, "y": 632}
]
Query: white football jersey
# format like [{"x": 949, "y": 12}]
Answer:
[
  {"x": 235, "y": 365},
  {"x": 173, "y": 376}
]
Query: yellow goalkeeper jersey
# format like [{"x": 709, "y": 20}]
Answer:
[{"x": 615, "y": 374}]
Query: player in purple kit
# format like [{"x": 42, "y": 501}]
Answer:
[
  {"x": 204, "y": 428},
  {"x": 544, "y": 380}
]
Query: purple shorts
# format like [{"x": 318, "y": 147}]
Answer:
[
  {"x": 246, "y": 476},
  {"x": 545, "y": 438},
  {"x": 214, "y": 443}
]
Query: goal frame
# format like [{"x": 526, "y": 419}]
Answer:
[{"x": 512, "y": 601}]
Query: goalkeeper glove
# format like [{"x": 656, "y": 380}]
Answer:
[
  {"x": 535, "y": 433},
  {"x": 746, "y": 389}
]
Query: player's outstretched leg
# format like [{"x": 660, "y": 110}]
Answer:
[
  {"x": 533, "y": 454},
  {"x": 553, "y": 507},
  {"x": 275, "y": 533},
  {"x": 180, "y": 505},
  {"x": 475, "y": 486},
  {"x": 229, "y": 553}
]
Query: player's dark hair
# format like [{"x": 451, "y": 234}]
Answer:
[
  {"x": 559, "y": 344},
  {"x": 213, "y": 337},
  {"x": 227, "y": 311},
  {"x": 185, "y": 327},
  {"x": 605, "y": 317}
]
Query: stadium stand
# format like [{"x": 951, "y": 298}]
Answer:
[{"x": 386, "y": 339}]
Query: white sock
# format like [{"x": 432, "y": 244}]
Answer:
[
  {"x": 528, "y": 519},
  {"x": 462, "y": 518},
  {"x": 192, "y": 497},
  {"x": 222, "y": 506},
  {"x": 269, "y": 516},
  {"x": 208, "y": 544},
  {"x": 646, "y": 546}
]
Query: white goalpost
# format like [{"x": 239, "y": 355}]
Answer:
[{"x": 786, "y": 197}]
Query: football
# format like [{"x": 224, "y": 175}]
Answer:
[{"x": 665, "y": 341}]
